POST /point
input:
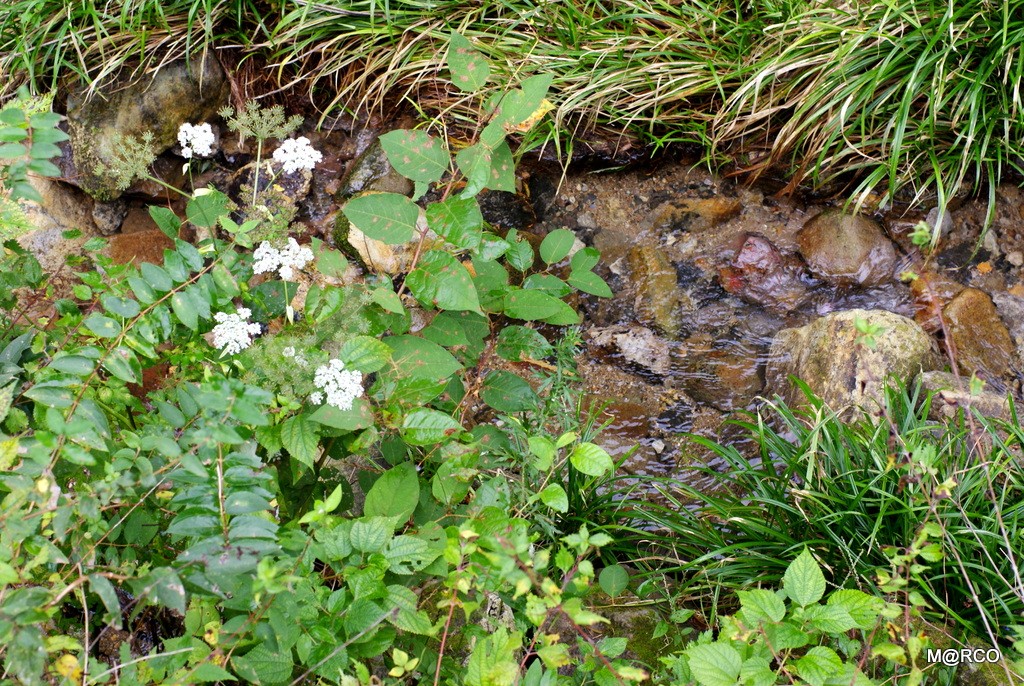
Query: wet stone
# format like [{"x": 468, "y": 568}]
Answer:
[
  {"x": 761, "y": 275},
  {"x": 847, "y": 249},
  {"x": 506, "y": 210},
  {"x": 635, "y": 345},
  {"x": 951, "y": 397},
  {"x": 108, "y": 216},
  {"x": 982, "y": 341},
  {"x": 659, "y": 300},
  {"x": 139, "y": 247},
  {"x": 724, "y": 378},
  {"x": 371, "y": 171},
  {"x": 693, "y": 214}
]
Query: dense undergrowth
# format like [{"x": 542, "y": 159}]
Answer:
[{"x": 917, "y": 97}]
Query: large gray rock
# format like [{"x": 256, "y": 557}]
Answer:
[
  {"x": 62, "y": 209},
  {"x": 831, "y": 356},
  {"x": 847, "y": 249},
  {"x": 179, "y": 92}
]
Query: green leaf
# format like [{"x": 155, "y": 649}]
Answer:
[
  {"x": 122, "y": 363},
  {"x": 395, "y": 494},
  {"x": 830, "y": 619},
  {"x": 458, "y": 221},
  {"x": 552, "y": 285},
  {"x": 165, "y": 220},
  {"x": 12, "y": 151},
  {"x": 441, "y": 281},
  {"x": 613, "y": 580},
  {"x": 521, "y": 104},
  {"x": 166, "y": 585},
  {"x": 12, "y": 134},
  {"x": 122, "y": 307},
  {"x": 591, "y": 459},
  {"x": 715, "y": 664},
  {"x": 364, "y": 354},
  {"x": 330, "y": 263},
  {"x": 818, "y": 664},
  {"x": 757, "y": 671},
  {"x": 421, "y": 359},
  {"x": 584, "y": 260},
  {"x": 516, "y": 342},
  {"x": 102, "y": 587},
  {"x": 862, "y": 608},
  {"x": 475, "y": 164},
  {"x": 760, "y": 605},
  {"x": 264, "y": 666},
  {"x": 785, "y": 636},
  {"x": 71, "y": 364},
  {"x": 803, "y": 581},
  {"x": 502, "y": 174},
  {"x": 387, "y": 299},
  {"x": 426, "y": 427},
  {"x": 387, "y": 217},
  {"x": 185, "y": 309},
  {"x": 531, "y": 305},
  {"x": 519, "y": 254},
  {"x": 544, "y": 450},
  {"x": 589, "y": 282},
  {"x": 371, "y": 533},
  {"x": 301, "y": 437},
  {"x": 556, "y": 245},
  {"x": 507, "y": 392},
  {"x": 416, "y": 155},
  {"x": 207, "y": 672},
  {"x": 469, "y": 69},
  {"x": 101, "y": 326},
  {"x": 156, "y": 277},
  {"x": 360, "y": 416},
  {"x": 206, "y": 208}
]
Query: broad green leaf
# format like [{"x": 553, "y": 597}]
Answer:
[
  {"x": 387, "y": 299},
  {"x": 584, "y": 260},
  {"x": 475, "y": 164},
  {"x": 818, "y": 664},
  {"x": 517, "y": 342},
  {"x": 715, "y": 664},
  {"x": 863, "y": 608},
  {"x": 104, "y": 327},
  {"x": 421, "y": 359},
  {"x": 613, "y": 580},
  {"x": 552, "y": 285},
  {"x": 387, "y": 217},
  {"x": 165, "y": 220},
  {"x": 102, "y": 587},
  {"x": 544, "y": 450},
  {"x": 408, "y": 554},
  {"x": 502, "y": 175},
  {"x": 364, "y": 354},
  {"x": 72, "y": 364},
  {"x": 426, "y": 427},
  {"x": 122, "y": 307},
  {"x": 264, "y": 666},
  {"x": 591, "y": 459},
  {"x": 589, "y": 282},
  {"x": 451, "y": 482},
  {"x": 206, "y": 209},
  {"x": 156, "y": 277},
  {"x": 831, "y": 619},
  {"x": 184, "y": 308},
  {"x": 395, "y": 494},
  {"x": 457, "y": 220},
  {"x": 507, "y": 392},
  {"x": 556, "y": 245},
  {"x": 519, "y": 253},
  {"x": 122, "y": 363},
  {"x": 469, "y": 69},
  {"x": 760, "y": 605},
  {"x": 142, "y": 290},
  {"x": 165, "y": 584},
  {"x": 416, "y": 155},
  {"x": 785, "y": 636},
  {"x": 206, "y": 672},
  {"x": 301, "y": 437},
  {"x": 530, "y": 305},
  {"x": 360, "y": 416},
  {"x": 193, "y": 258},
  {"x": 439, "y": 280},
  {"x": 803, "y": 581},
  {"x": 330, "y": 263},
  {"x": 757, "y": 671}
]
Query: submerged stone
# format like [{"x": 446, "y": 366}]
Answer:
[
  {"x": 761, "y": 275},
  {"x": 983, "y": 344},
  {"x": 847, "y": 249},
  {"x": 659, "y": 300}
]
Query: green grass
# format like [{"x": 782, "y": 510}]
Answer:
[
  {"x": 849, "y": 491},
  {"x": 913, "y": 99}
]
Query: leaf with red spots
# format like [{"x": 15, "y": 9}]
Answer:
[
  {"x": 469, "y": 68},
  {"x": 441, "y": 281},
  {"x": 416, "y": 155},
  {"x": 387, "y": 217}
]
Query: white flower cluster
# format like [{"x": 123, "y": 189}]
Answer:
[
  {"x": 234, "y": 333},
  {"x": 340, "y": 385},
  {"x": 285, "y": 261},
  {"x": 196, "y": 140},
  {"x": 297, "y": 153}
]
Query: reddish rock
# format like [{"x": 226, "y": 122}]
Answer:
[
  {"x": 762, "y": 275},
  {"x": 982, "y": 341},
  {"x": 139, "y": 247}
]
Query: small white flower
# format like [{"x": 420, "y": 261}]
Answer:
[
  {"x": 297, "y": 153},
  {"x": 234, "y": 333},
  {"x": 196, "y": 140},
  {"x": 285, "y": 261},
  {"x": 341, "y": 386},
  {"x": 316, "y": 397},
  {"x": 288, "y": 352}
]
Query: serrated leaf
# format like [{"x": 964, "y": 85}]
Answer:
[
  {"x": 371, "y": 534},
  {"x": 206, "y": 210},
  {"x": 469, "y": 68},
  {"x": 818, "y": 664},
  {"x": 263, "y": 666},
  {"x": 364, "y": 354},
  {"x": 715, "y": 664},
  {"x": 803, "y": 581},
  {"x": 395, "y": 494},
  {"x": 439, "y": 280},
  {"x": 863, "y": 608},
  {"x": 760, "y": 605},
  {"x": 613, "y": 580},
  {"x": 416, "y": 155},
  {"x": 387, "y": 217},
  {"x": 457, "y": 220},
  {"x": 301, "y": 438},
  {"x": 426, "y": 427},
  {"x": 591, "y": 459}
]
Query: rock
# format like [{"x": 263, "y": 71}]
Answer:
[
  {"x": 506, "y": 210},
  {"x": 108, "y": 216},
  {"x": 659, "y": 300},
  {"x": 831, "y": 357},
  {"x": 932, "y": 219},
  {"x": 950, "y": 397},
  {"x": 636, "y": 345},
  {"x": 139, "y": 247},
  {"x": 726, "y": 379},
  {"x": 761, "y": 275},
  {"x": 371, "y": 171},
  {"x": 63, "y": 208},
  {"x": 381, "y": 257},
  {"x": 931, "y": 291},
  {"x": 693, "y": 214},
  {"x": 983, "y": 344},
  {"x": 179, "y": 92},
  {"x": 847, "y": 249},
  {"x": 1011, "y": 309}
]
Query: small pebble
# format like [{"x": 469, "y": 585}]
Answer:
[
  {"x": 658, "y": 445},
  {"x": 1016, "y": 258}
]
